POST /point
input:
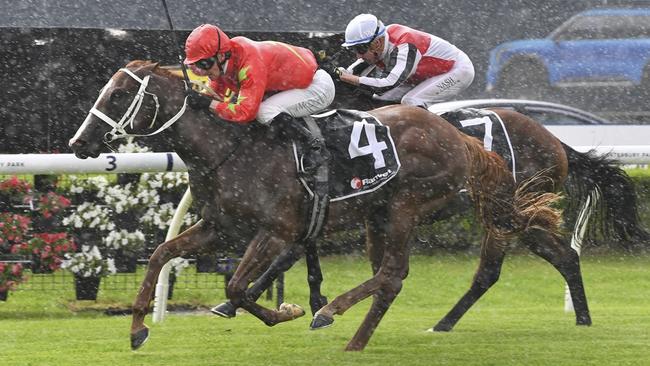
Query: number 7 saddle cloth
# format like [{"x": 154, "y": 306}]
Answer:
[{"x": 488, "y": 127}]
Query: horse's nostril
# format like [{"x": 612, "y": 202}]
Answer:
[{"x": 76, "y": 144}]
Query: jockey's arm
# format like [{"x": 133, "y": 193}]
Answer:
[
  {"x": 402, "y": 61},
  {"x": 360, "y": 68},
  {"x": 243, "y": 107}
]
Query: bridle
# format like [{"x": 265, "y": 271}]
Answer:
[{"x": 118, "y": 131}]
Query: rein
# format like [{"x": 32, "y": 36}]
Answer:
[{"x": 118, "y": 131}]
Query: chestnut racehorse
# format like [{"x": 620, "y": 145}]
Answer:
[{"x": 558, "y": 167}]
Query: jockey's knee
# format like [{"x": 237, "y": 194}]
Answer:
[
  {"x": 416, "y": 102},
  {"x": 266, "y": 114}
]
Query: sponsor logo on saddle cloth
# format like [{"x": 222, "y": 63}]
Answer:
[
  {"x": 486, "y": 126},
  {"x": 362, "y": 150}
]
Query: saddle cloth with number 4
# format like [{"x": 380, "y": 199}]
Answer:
[{"x": 363, "y": 156}]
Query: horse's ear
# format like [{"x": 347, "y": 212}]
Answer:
[
  {"x": 135, "y": 63},
  {"x": 147, "y": 67},
  {"x": 151, "y": 66}
]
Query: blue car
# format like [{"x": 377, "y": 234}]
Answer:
[{"x": 596, "y": 48}]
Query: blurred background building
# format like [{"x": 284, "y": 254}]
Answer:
[{"x": 55, "y": 55}]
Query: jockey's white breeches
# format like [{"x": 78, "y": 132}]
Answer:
[
  {"x": 299, "y": 102},
  {"x": 435, "y": 89}
]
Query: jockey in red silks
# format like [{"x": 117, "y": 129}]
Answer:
[
  {"x": 243, "y": 72},
  {"x": 417, "y": 68}
]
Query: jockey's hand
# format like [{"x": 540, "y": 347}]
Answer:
[
  {"x": 347, "y": 77},
  {"x": 332, "y": 69},
  {"x": 340, "y": 71},
  {"x": 197, "y": 100}
]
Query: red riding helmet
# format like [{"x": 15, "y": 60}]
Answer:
[{"x": 205, "y": 41}]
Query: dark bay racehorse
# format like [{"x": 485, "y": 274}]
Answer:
[{"x": 243, "y": 177}]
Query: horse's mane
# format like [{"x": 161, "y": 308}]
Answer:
[{"x": 164, "y": 72}]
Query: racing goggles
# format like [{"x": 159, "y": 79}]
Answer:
[
  {"x": 206, "y": 63},
  {"x": 361, "y": 48}
]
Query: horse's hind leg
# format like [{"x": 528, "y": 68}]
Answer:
[
  {"x": 487, "y": 274},
  {"x": 189, "y": 241},
  {"x": 559, "y": 253}
]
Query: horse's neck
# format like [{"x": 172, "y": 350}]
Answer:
[
  {"x": 202, "y": 141},
  {"x": 205, "y": 143},
  {"x": 199, "y": 138}
]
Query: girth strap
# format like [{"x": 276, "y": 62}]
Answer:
[{"x": 321, "y": 196}]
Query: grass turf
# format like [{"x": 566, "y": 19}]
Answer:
[{"x": 519, "y": 322}]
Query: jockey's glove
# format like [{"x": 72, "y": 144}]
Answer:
[
  {"x": 331, "y": 69},
  {"x": 197, "y": 100}
]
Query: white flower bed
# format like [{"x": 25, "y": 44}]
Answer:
[
  {"x": 80, "y": 185},
  {"x": 129, "y": 241},
  {"x": 161, "y": 217},
  {"x": 89, "y": 263},
  {"x": 90, "y": 215}
]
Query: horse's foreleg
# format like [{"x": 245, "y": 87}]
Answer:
[
  {"x": 385, "y": 284},
  {"x": 281, "y": 263},
  {"x": 559, "y": 253},
  {"x": 487, "y": 275},
  {"x": 262, "y": 246},
  {"x": 314, "y": 278},
  {"x": 189, "y": 241},
  {"x": 380, "y": 304}
]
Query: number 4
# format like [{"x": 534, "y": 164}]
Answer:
[{"x": 374, "y": 147}]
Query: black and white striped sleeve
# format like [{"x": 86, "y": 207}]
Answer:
[{"x": 402, "y": 62}]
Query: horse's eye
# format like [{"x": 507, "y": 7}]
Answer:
[{"x": 119, "y": 94}]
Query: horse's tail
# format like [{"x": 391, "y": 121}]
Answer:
[
  {"x": 504, "y": 208},
  {"x": 616, "y": 205}
]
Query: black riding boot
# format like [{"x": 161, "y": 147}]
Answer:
[{"x": 315, "y": 153}]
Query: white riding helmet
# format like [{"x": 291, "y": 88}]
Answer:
[{"x": 364, "y": 28}]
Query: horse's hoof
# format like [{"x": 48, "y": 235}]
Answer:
[
  {"x": 441, "y": 327},
  {"x": 292, "y": 311},
  {"x": 139, "y": 338},
  {"x": 321, "y": 321},
  {"x": 354, "y": 348},
  {"x": 318, "y": 304},
  {"x": 586, "y": 321},
  {"x": 225, "y": 310}
]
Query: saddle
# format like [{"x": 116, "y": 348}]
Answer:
[
  {"x": 363, "y": 159},
  {"x": 363, "y": 156}
]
